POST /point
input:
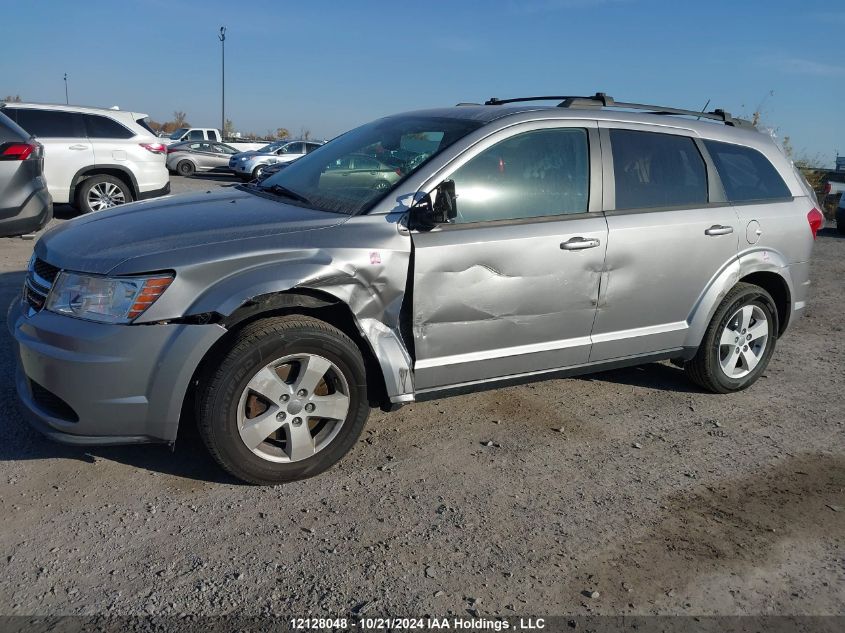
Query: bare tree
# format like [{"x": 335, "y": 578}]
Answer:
[
  {"x": 229, "y": 129},
  {"x": 12, "y": 99},
  {"x": 180, "y": 119},
  {"x": 305, "y": 133}
]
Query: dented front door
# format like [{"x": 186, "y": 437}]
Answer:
[{"x": 511, "y": 287}]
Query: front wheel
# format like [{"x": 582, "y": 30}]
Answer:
[
  {"x": 285, "y": 402},
  {"x": 738, "y": 343}
]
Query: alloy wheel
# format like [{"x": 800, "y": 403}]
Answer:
[
  {"x": 293, "y": 408},
  {"x": 743, "y": 341}
]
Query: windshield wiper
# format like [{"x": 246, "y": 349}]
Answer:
[{"x": 281, "y": 190}]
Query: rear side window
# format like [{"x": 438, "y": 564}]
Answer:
[
  {"x": 746, "y": 174},
  {"x": 196, "y": 135},
  {"x": 49, "y": 123},
  {"x": 104, "y": 127},
  {"x": 657, "y": 170},
  {"x": 212, "y": 135}
]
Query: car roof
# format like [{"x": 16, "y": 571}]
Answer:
[
  {"x": 72, "y": 108},
  {"x": 486, "y": 114}
]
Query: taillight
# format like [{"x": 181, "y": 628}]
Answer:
[
  {"x": 17, "y": 151},
  {"x": 827, "y": 188},
  {"x": 155, "y": 148},
  {"x": 398, "y": 171},
  {"x": 816, "y": 220}
]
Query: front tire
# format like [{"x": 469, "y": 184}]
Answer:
[
  {"x": 738, "y": 343},
  {"x": 101, "y": 192},
  {"x": 286, "y": 401}
]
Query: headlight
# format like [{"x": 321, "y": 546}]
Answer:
[
  {"x": 104, "y": 299},
  {"x": 244, "y": 157}
]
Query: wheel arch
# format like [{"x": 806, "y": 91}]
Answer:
[
  {"x": 778, "y": 288},
  {"x": 310, "y": 302},
  {"x": 118, "y": 171}
]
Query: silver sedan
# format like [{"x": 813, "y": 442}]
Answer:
[{"x": 190, "y": 157}]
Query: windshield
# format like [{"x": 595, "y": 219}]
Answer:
[
  {"x": 356, "y": 170},
  {"x": 269, "y": 149},
  {"x": 177, "y": 134}
]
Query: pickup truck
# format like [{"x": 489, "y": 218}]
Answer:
[{"x": 208, "y": 134}]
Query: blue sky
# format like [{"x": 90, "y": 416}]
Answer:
[{"x": 328, "y": 66}]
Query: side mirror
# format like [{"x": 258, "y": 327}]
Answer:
[{"x": 425, "y": 215}]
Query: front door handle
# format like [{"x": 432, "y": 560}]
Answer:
[
  {"x": 718, "y": 229},
  {"x": 579, "y": 243},
  {"x": 78, "y": 147}
]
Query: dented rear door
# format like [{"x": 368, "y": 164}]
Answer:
[{"x": 510, "y": 288}]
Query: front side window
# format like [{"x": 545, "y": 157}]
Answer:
[
  {"x": 310, "y": 147},
  {"x": 103, "y": 127},
  {"x": 653, "y": 170},
  {"x": 534, "y": 174},
  {"x": 327, "y": 179},
  {"x": 291, "y": 148},
  {"x": 49, "y": 123},
  {"x": 746, "y": 174}
]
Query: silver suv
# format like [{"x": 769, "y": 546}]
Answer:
[{"x": 517, "y": 243}]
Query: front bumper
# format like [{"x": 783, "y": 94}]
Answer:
[
  {"x": 90, "y": 383},
  {"x": 242, "y": 167}
]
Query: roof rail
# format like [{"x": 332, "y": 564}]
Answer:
[{"x": 602, "y": 100}]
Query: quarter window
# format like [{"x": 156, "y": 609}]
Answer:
[
  {"x": 535, "y": 174},
  {"x": 746, "y": 174},
  {"x": 654, "y": 170},
  {"x": 49, "y": 123},
  {"x": 103, "y": 127}
]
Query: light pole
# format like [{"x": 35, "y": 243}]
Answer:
[
  {"x": 66, "y": 99},
  {"x": 222, "y": 37}
]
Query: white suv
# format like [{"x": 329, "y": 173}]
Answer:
[{"x": 95, "y": 158}]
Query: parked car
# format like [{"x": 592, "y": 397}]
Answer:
[
  {"x": 248, "y": 165},
  {"x": 359, "y": 170},
  {"x": 531, "y": 242},
  {"x": 25, "y": 204},
  {"x": 840, "y": 215},
  {"x": 95, "y": 158},
  {"x": 192, "y": 156}
]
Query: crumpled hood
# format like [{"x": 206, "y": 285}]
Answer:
[{"x": 174, "y": 229}]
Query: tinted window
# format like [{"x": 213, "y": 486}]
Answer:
[
  {"x": 212, "y": 136},
  {"x": 310, "y": 147},
  {"x": 103, "y": 127},
  {"x": 746, "y": 174},
  {"x": 196, "y": 135},
  {"x": 529, "y": 175},
  {"x": 224, "y": 149},
  {"x": 49, "y": 123},
  {"x": 657, "y": 170}
]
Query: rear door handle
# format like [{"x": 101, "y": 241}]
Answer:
[
  {"x": 78, "y": 147},
  {"x": 718, "y": 229},
  {"x": 579, "y": 243}
]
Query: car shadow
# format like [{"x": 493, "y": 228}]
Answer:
[
  {"x": 214, "y": 176},
  {"x": 662, "y": 376},
  {"x": 831, "y": 231}
]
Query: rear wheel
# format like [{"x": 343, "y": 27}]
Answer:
[
  {"x": 186, "y": 168},
  {"x": 101, "y": 192},
  {"x": 285, "y": 402},
  {"x": 738, "y": 343}
]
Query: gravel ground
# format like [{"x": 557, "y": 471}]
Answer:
[{"x": 630, "y": 483}]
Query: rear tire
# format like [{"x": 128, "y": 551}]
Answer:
[
  {"x": 738, "y": 342},
  {"x": 186, "y": 168},
  {"x": 101, "y": 192},
  {"x": 243, "y": 389}
]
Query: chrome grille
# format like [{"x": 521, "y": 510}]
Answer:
[{"x": 39, "y": 280}]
